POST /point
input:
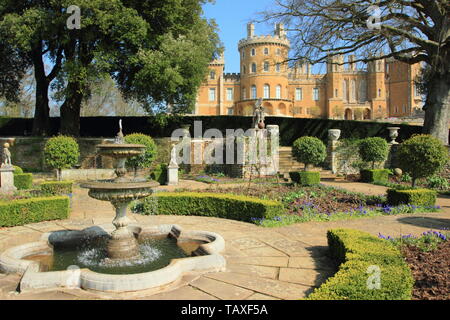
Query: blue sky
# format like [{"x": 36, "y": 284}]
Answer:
[{"x": 232, "y": 17}]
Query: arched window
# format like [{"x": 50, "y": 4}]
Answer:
[
  {"x": 278, "y": 92},
  {"x": 253, "y": 67},
  {"x": 254, "y": 92},
  {"x": 379, "y": 93},
  {"x": 266, "y": 91},
  {"x": 212, "y": 75},
  {"x": 278, "y": 67},
  {"x": 253, "y": 52},
  {"x": 244, "y": 93},
  {"x": 266, "y": 66}
]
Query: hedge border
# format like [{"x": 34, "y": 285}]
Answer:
[
  {"x": 375, "y": 175},
  {"x": 356, "y": 251},
  {"x": 24, "y": 211},
  {"x": 57, "y": 187},
  {"x": 305, "y": 178},
  {"x": 23, "y": 181},
  {"x": 226, "y": 206},
  {"x": 417, "y": 197}
]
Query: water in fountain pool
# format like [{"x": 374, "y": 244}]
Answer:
[{"x": 156, "y": 253}]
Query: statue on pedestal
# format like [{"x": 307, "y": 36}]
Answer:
[
  {"x": 258, "y": 115},
  {"x": 6, "y": 156}
]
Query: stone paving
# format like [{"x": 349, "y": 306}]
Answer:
[{"x": 262, "y": 263}]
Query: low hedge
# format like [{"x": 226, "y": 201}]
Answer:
[
  {"x": 305, "y": 178},
  {"x": 357, "y": 251},
  {"x": 23, "y": 211},
  {"x": 17, "y": 170},
  {"x": 226, "y": 206},
  {"x": 416, "y": 197},
  {"x": 375, "y": 175},
  {"x": 23, "y": 181},
  {"x": 57, "y": 187}
]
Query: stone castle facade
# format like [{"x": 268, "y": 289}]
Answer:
[{"x": 384, "y": 89}]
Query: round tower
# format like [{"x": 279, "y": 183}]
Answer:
[{"x": 264, "y": 72}]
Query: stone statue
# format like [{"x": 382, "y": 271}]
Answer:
[
  {"x": 258, "y": 115},
  {"x": 173, "y": 157},
  {"x": 119, "y": 137},
  {"x": 6, "y": 155}
]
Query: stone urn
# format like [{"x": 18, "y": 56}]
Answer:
[
  {"x": 334, "y": 134},
  {"x": 393, "y": 134}
]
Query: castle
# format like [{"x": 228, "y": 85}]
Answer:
[{"x": 386, "y": 89}]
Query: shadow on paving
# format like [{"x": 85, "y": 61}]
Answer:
[{"x": 425, "y": 222}]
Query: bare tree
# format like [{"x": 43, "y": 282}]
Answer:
[{"x": 411, "y": 31}]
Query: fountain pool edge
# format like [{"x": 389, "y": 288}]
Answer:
[{"x": 206, "y": 258}]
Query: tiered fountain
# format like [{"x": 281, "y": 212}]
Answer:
[
  {"x": 120, "y": 192},
  {"x": 131, "y": 259}
]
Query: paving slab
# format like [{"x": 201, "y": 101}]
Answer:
[
  {"x": 311, "y": 263},
  {"x": 259, "y": 296},
  {"x": 260, "y": 271},
  {"x": 183, "y": 293},
  {"x": 307, "y": 277},
  {"x": 221, "y": 290},
  {"x": 278, "y": 289},
  {"x": 261, "y": 261}
]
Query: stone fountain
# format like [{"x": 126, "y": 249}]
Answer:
[
  {"x": 120, "y": 192},
  {"x": 134, "y": 246}
]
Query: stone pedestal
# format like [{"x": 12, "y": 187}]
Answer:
[
  {"x": 7, "y": 180},
  {"x": 172, "y": 175},
  {"x": 333, "y": 137}
]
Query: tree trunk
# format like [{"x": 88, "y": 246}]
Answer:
[
  {"x": 41, "y": 121},
  {"x": 70, "y": 110},
  {"x": 437, "y": 108}
]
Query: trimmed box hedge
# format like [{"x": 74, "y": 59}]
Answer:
[
  {"x": 226, "y": 206},
  {"x": 24, "y": 211},
  {"x": 356, "y": 251},
  {"x": 305, "y": 178},
  {"x": 159, "y": 174},
  {"x": 57, "y": 187},
  {"x": 23, "y": 181},
  {"x": 375, "y": 175},
  {"x": 416, "y": 197}
]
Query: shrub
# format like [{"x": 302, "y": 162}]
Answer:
[
  {"x": 145, "y": 159},
  {"x": 373, "y": 150},
  {"x": 61, "y": 152},
  {"x": 307, "y": 178},
  {"x": 416, "y": 197},
  {"x": 226, "y": 206},
  {"x": 422, "y": 156},
  {"x": 357, "y": 252},
  {"x": 309, "y": 150},
  {"x": 23, "y": 211},
  {"x": 23, "y": 181},
  {"x": 159, "y": 174},
  {"x": 438, "y": 182},
  {"x": 17, "y": 170},
  {"x": 57, "y": 187},
  {"x": 375, "y": 175}
]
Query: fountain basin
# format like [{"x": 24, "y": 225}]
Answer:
[
  {"x": 109, "y": 190},
  {"x": 120, "y": 150},
  {"x": 206, "y": 258}
]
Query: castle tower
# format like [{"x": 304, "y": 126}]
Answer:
[
  {"x": 377, "y": 88},
  {"x": 335, "y": 68},
  {"x": 264, "y": 72}
]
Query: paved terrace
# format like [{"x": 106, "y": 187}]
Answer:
[{"x": 262, "y": 263}]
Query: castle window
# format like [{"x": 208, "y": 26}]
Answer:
[
  {"x": 336, "y": 93},
  {"x": 316, "y": 94},
  {"x": 243, "y": 53},
  {"x": 266, "y": 91},
  {"x": 230, "y": 111},
  {"x": 380, "y": 109},
  {"x": 278, "y": 52},
  {"x": 244, "y": 94},
  {"x": 278, "y": 92},
  {"x": 230, "y": 94},
  {"x": 254, "y": 92},
  {"x": 253, "y": 53},
  {"x": 278, "y": 67},
  {"x": 253, "y": 67},
  {"x": 212, "y": 94},
  {"x": 244, "y": 70},
  {"x": 266, "y": 66},
  {"x": 298, "y": 94},
  {"x": 266, "y": 51},
  {"x": 212, "y": 75},
  {"x": 379, "y": 92}
]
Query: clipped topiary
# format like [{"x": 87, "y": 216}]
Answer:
[
  {"x": 309, "y": 150},
  {"x": 145, "y": 159},
  {"x": 18, "y": 170},
  {"x": 61, "y": 152},
  {"x": 373, "y": 150},
  {"x": 422, "y": 156}
]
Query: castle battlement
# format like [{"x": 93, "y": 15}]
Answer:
[
  {"x": 278, "y": 40},
  {"x": 232, "y": 76}
]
